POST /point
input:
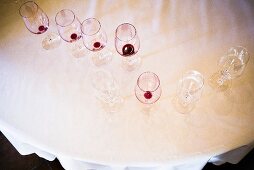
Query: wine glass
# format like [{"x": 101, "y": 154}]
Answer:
[
  {"x": 148, "y": 89},
  {"x": 127, "y": 45},
  {"x": 231, "y": 66},
  {"x": 106, "y": 90},
  {"x": 95, "y": 39},
  {"x": 189, "y": 91},
  {"x": 68, "y": 25},
  {"x": 36, "y": 21}
]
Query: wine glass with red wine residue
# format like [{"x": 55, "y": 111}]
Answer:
[
  {"x": 35, "y": 19},
  {"x": 95, "y": 40},
  {"x": 127, "y": 44},
  {"x": 68, "y": 25},
  {"x": 148, "y": 89}
]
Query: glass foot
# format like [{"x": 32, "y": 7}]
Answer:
[
  {"x": 78, "y": 49},
  {"x": 147, "y": 108},
  {"x": 131, "y": 63},
  {"x": 112, "y": 107},
  {"x": 181, "y": 107},
  {"x": 102, "y": 57},
  {"x": 217, "y": 82},
  {"x": 51, "y": 41}
]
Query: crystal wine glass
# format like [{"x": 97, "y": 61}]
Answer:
[
  {"x": 95, "y": 39},
  {"x": 189, "y": 91},
  {"x": 35, "y": 19},
  {"x": 148, "y": 89},
  {"x": 231, "y": 66},
  {"x": 127, "y": 45},
  {"x": 106, "y": 90},
  {"x": 68, "y": 25}
]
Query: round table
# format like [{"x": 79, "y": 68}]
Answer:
[{"x": 48, "y": 104}]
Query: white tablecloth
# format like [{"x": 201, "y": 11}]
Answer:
[{"x": 47, "y": 105}]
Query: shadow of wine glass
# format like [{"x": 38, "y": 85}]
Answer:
[
  {"x": 217, "y": 101},
  {"x": 241, "y": 91}
]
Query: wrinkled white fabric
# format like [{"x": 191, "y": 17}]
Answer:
[{"x": 47, "y": 102}]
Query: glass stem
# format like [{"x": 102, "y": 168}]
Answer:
[{"x": 222, "y": 79}]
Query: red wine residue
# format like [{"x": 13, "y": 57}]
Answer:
[
  {"x": 128, "y": 50},
  {"x": 42, "y": 28},
  {"x": 97, "y": 45},
  {"x": 148, "y": 95},
  {"x": 74, "y": 36}
]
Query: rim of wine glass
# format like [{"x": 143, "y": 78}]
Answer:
[
  {"x": 149, "y": 90},
  {"x": 82, "y": 24},
  {"x": 27, "y": 3},
  {"x": 225, "y": 57},
  {"x": 135, "y": 33},
  {"x": 196, "y": 73},
  {"x": 239, "y": 46},
  {"x": 74, "y": 16}
]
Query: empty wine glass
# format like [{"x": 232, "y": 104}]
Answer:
[
  {"x": 106, "y": 90},
  {"x": 35, "y": 19},
  {"x": 127, "y": 45},
  {"x": 68, "y": 25},
  {"x": 189, "y": 91},
  {"x": 95, "y": 39},
  {"x": 148, "y": 89},
  {"x": 231, "y": 66}
]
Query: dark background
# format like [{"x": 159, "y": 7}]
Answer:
[{"x": 10, "y": 159}]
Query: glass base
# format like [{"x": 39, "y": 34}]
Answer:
[
  {"x": 181, "y": 107},
  {"x": 78, "y": 49},
  {"x": 51, "y": 41},
  {"x": 112, "y": 107},
  {"x": 131, "y": 63},
  {"x": 145, "y": 108},
  {"x": 101, "y": 57},
  {"x": 216, "y": 82}
]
